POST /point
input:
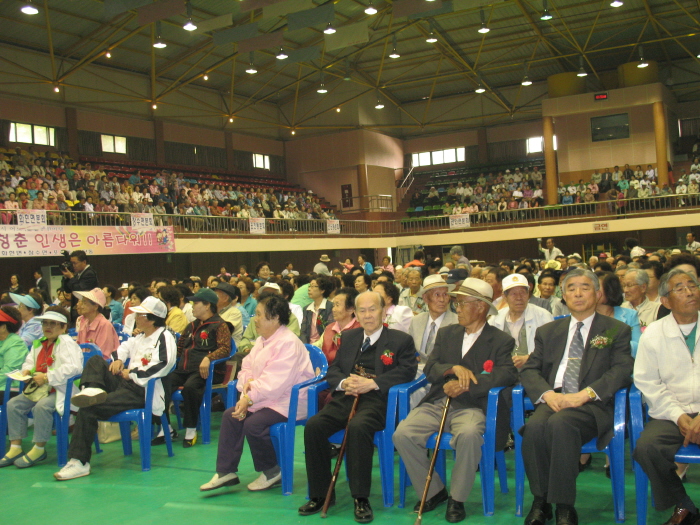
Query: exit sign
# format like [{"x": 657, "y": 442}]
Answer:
[{"x": 600, "y": 96}]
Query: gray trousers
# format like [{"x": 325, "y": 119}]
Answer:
[
  {"x": 17, "y": 409},
  {"x": 467, "y": 426}
]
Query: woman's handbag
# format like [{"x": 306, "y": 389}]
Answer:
[{"x": 34, "y": 392}]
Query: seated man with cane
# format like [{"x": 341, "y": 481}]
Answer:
[
  {"x": 369, "y": 361},
  {"x": 468, "y": 359}
]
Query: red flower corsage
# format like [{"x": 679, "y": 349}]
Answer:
[
  {"x": 386, "y": 325},
  {"x": 144, "y": 361},
  {"x": 488, "y": 366},
  {"x": 387, "y": 357},
  {"x": 204, "y": 335}
]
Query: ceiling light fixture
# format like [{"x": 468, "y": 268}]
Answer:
[
  {"x": 158, "y": 43},
  {"x": 526, "y": 81},
  {"x": 642, "y": 63},
  {"x": 282, "y": 55},
  {"x": 230, "y": 119},
  {"x": 371, "y": 10},
  {"x": 154, "y": 106},
  {"x": 322, "y": 89},
  {"x": 294, "y": 132},
  {"x": 251, "y": 68},
  {"x": 330, "y": 29},
  {"x": 484, "y": 28},
  {"x": 108, "y": 54},
  {"x": 394, "y": 53},
  {"x": 581, "y": 71},
  {"x": 29, "y": 9},
  {"x": 56, "y": 89},
  {"x": 431, "y": 38},
  {"x": 189, "y": 25},
  {"x": 616, "y": 3},
  {"x": 480, "y": 88},
  {"x": 205, "y": 77},
  {"x": 379, "y": 102},
  {"x": 546, "y": 15},
  {"x": 337, "y": 110}
]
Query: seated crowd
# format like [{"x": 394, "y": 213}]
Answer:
[
  {"x": 568, "y": 330},
  {"x": 29, "y": 182}
]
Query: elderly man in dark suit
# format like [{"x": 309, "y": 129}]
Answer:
[
  {"x": 468, "y": 359},
  {"x": 370, "y": 360},
  {"x": 577, "y": 366}
]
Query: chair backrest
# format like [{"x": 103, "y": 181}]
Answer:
[
  {"x": 89, "y": 350},
  {"x": 318, "y": 360}
]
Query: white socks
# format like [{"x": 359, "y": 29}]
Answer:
[{"x": 190, "y": 433}]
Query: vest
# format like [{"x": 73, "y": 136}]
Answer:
[{"x": 198, "y": 341}]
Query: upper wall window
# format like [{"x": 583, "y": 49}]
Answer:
[
  {"x": 261, "y": 161},
  {"x": 113, "y": 144},
  {"x": 443, "y": 156},
  {"x": 536, "y": 144},
  {"x": 31, "y": 134}
]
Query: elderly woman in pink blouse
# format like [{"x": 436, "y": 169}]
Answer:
[{"x": 276, "y": 363}]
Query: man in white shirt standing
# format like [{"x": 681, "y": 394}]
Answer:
[
  {"x": 692, "y": 243},
  {"x": 551, "y": 252},
  {"x": 665, "y": 373}
]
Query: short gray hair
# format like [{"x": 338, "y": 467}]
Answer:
[
  {"x": 663, "y": 284},
  {"x": 457, "y": 249},
  {"x": 376, "y": 294},
  {"x": 581, "y": 272},
  {"x": 641, "y": 277}
]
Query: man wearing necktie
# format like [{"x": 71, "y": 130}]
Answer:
[
  {"x": 369, "y": 361},
  {"x": 578, "y": 364}
]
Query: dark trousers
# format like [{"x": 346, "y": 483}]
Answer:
[
  {"x": 256, "y": 429},
  {"x": 369, "y": 418},
  {"x": 192, "y": 393},
  {"x": 121, "y": 395},
  {"x": 552, "y": 444},
  {"x": 655, "y": 452}
]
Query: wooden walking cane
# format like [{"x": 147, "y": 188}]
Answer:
[
  {"x": 339, "y": 461},
  {"x": 429, "y": 478}
]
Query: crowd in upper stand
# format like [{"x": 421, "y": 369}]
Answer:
[{"x": 31, "y": 181}]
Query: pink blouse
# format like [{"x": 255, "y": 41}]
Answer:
[{"x": 273, "y": 367}]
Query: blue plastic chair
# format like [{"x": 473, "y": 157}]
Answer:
[
  {"x": 283, "y": 434},
  {"x": 689, "y": 454},
  {"x": 489, "y": 457},
  {"x": 615, "y": 450},
  {"x": 143, "y": 418},
  {"x": 382, "y": 439},
  {"x": 3, "y": 413},
  {"x": 205, "y": 408},
  {"x": 90, "y": 349}
]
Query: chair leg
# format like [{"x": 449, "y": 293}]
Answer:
[
  {"x": 617, "y": 479},
  {"x": 502, "y": 472},
  {"x": 386, "y": 470},
  {"x": 205, "y": 421},
  {"x": 144, "y": 424},
  {"x": 404, "y": 483},
  {"x": 98, "y": 449},
  {"x": 61, "y": 439},
  {"x": 168, "y": 438},
  {"x": 641, "y": 490},
  {"x": 519, "y": 475},
  {"x": 125, "y": 429},
  {"x": 488, "y": 489}
]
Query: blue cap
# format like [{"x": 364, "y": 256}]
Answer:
[{"x": 26, "y": 300}]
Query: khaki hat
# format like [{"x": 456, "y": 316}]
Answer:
[
  {"x": 553, "y": 265},
  {"x": 96, "y": 295},
  {"x": 325, "y": 258},
  {"x": 433, "y": 281},
  {"x": 478, "y": 289},
  {"x": 514, "y": 280}
]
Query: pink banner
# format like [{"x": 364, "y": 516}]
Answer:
[
  {"x": 160, "y": 10},
  {"x": 18, "y": 241}
]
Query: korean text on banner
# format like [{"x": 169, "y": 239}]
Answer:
[
  {"x": 458, "y": 222},
  {"x": 257, "y": 225},
  {"x": 31, "y": 218},
  {"x": 333, "y": 227},
  {"x": 141, "y": 220}
]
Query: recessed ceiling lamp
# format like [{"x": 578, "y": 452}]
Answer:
[
  {"x": 205, "y": 77},
  {"x": 29, "y": 9},
  {"x": 108, "y": 54},
  {"x": 371, "y": 10}
]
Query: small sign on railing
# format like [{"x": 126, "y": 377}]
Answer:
[
  {"x": 459, "y": 221},
  {"x": 257, "y": 225},
  {"x": 142, "y": 220},
  {"x": 333, "y": 227},
  {"x": 31, "y": 217}
]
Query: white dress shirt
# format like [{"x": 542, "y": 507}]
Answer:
[
  {"x": 372, "y": 340},
  {"x": 470, "y": 339},
  {"x": 426, "y": 333}
]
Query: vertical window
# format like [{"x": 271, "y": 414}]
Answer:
[
  {"x": 112, "y": 144},
  {"x": 438, "y": 157},
  {"x": 424, "y": 158},
  {"x": 261, "y": 161},
  {"x": 534, "y": 145},
  {"x": 449, "y": 156}
]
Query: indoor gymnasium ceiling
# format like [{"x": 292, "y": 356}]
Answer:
[{"x": 430, "y": 88}]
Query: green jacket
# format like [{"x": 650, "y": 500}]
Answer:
[{"x": 13, "y": 351}]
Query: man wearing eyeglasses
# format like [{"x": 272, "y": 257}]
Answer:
[
  {"x": 665, "y": 372},
  {"x": 634, "y": 284},
  {"x": 466, "y": 361},
  {"x": 578, "y": 364}
]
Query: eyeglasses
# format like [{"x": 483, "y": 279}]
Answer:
[
  {"x": 629, "y": 285},
  {"x": 50, "y": 324},
  {"x": 464, "y": 304},
  {"x": 691, "y": 287}
]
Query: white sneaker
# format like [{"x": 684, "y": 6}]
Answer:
[
  {"x": 217, "y": 481},
  {"x": 73, "y": 469},
  {"x": 88, "y": 397},
  {"x": 262, "y": 483}
]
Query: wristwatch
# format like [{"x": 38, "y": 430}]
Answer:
[{"x": 591, "y": 394}]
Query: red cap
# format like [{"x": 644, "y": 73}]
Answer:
[{"x": 4, "y": 318}]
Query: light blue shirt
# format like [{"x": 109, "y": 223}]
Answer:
[{"x": 31, "y": 331}]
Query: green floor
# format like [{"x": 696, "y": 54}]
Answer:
[{"x": 117, "y": 492}]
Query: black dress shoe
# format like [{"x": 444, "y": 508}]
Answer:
[
  {"x": 682, "y": 516},
  {"x": 455, "y": 511},
  {"x": 314, "y": 506},
  {"x": 363, "y": 511},
  {"x": 432, "y": 503},
  {"x": 160, "y": 440},
  {"x": 566, "y": 515},
  {"x": 189, "y": 443},
  {"x": 540, "y": 513},
  {"x": 586, "y": 465}
]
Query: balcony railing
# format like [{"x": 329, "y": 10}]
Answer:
[{"x": 194, "y": 225}]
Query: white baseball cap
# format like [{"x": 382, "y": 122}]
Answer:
[
  {"x": 151, "y": 305},
  {"x": 513, "y": 280}
]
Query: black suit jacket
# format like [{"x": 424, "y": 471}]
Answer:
[
  {"x": 43, "y": 287},
  {"x": 605, "y": 369},
  {"x": 402, "y": 370}
]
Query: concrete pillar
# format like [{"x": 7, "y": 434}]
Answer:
[
  {"x": 550, "y": 161},
  {"x": 160, "y": 141},
  {"x": 72, "y": 131},
  {"x": 363, "y": 186},
  {"x": 228, "y": 145},
  {"x": 661, "y": 139},
  {"x": 483, "y": 146}
]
